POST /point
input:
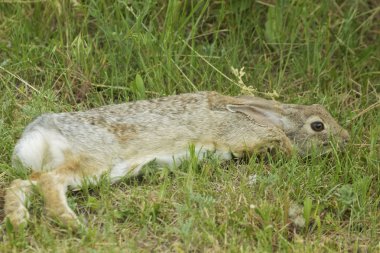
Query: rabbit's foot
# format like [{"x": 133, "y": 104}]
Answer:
[
  {"x": 66, "y": 218},
  {"x": 18, "y": 218},
  {"x": 70, "y": 220}
]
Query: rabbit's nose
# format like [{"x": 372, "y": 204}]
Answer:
[{"x": 345, "y": 136}]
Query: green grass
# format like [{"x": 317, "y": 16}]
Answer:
[{"x": 72, "y": 55}]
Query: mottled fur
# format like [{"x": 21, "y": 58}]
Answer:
[{"x": 64, "y": 148}]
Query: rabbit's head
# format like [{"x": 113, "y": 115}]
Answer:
[
  {"x": 312, "y": 127},
  {"x": 307, "y": 126}
]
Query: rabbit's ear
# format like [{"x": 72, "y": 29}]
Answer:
[{"x": 265, "y": 116}]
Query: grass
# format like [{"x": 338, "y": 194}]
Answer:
[{"x": 73, "y": 55}]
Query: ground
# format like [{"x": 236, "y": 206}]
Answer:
[{"x": 72, "y": 55}]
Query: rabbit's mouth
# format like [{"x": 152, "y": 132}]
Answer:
[
  {"x": 338, "y": 145},
  {"x": 320, "y": 149},
  {"x": 328, "y": 146}
]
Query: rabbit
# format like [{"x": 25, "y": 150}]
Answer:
[{"x": 63, "y": 149}]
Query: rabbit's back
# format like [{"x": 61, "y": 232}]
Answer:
[{"x": 115, "y": 125}]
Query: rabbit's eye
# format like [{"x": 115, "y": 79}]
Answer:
[{"x": 317, "y": 126}]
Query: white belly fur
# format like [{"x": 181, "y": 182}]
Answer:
[{"x": 122, "y": 168}]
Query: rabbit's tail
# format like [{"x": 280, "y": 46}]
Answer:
[
  {"x": 16, "y": 199},
  {"x": 40, "y": 149}
]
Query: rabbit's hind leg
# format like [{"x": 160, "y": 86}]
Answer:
[
  {"x": 16, "y": 196},
  {"x": 53, "y": 186}
]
